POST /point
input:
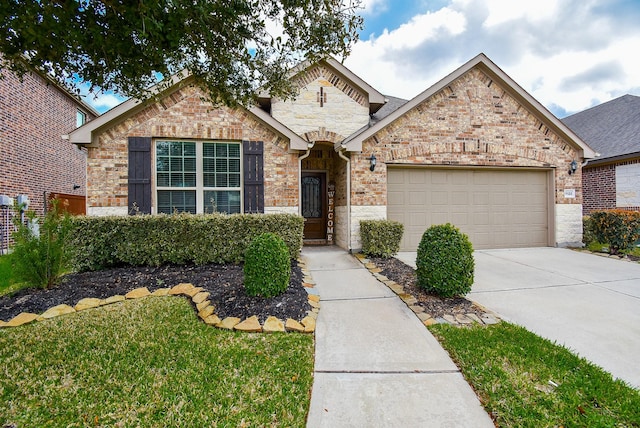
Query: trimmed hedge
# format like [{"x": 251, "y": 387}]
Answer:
[
  {"x": 381, "y": 238},
  {"x": 267, "y": 268},
  {"x": 445, "y": 264},
  {"x": 154, "y": 240},
  {"x": 619, "y": 229}
]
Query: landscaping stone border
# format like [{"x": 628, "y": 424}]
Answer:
[
  {"x": 204, "y": 309},
  {"x": 488, "y": 318}
]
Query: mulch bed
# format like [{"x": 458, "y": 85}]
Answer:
[
  {"x": 434, "y": 305},
  {"x": 224, "y": 282}
]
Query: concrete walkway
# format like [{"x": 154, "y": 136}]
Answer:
[
  {"x": 376, "y": 364},
  {"x": 587, "y": 302}
]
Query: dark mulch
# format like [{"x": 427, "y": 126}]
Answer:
[
  {"x": 224, "y": 282},
  {"x": 434, "y": 305}
]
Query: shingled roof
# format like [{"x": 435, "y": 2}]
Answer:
[{"x": 611, "y": 128}]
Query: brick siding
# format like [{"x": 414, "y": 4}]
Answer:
[
  {"x": 599, "y": 187},
  {"x": 186, "y": 115},
  {"x": 34, "y": 114}
]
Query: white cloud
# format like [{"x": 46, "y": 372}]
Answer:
[{"x": 569, "y": 54}]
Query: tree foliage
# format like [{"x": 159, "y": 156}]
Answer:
[{"x": 228, "y": 46}]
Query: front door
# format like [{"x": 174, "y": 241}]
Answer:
[{"x": 314, "y": 205}]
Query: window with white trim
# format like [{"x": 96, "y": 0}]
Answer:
[
  {"x": 81, "y": 118},
  {"x": 198, "y": 177}
]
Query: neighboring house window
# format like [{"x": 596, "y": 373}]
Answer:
[
  {"x": 81, "y": 118},
  {"x": 198, "y": 177}
]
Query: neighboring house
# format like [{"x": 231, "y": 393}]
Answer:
[
  {"x": 474, "y": 149},
  {"x": 612, "y": 180},
  {"x": 35, "y": 160}
]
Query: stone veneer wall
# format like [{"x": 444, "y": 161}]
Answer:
[
  {"x": 345, "y": 111},
  {"x": 471, "y": 122},
  {"x": 185, "y": 115},
  {"x": 568, "y": 225}
]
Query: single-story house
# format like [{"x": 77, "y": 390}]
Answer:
[
  {"x": 474, "y": 149},
  {"x": 612, "y": 180}
]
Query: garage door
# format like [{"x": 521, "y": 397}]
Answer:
[{"x": 496, "y": 208}]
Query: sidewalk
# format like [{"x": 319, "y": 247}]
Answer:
[{"x": 376, "y": 364}]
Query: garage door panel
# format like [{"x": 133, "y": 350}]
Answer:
[{"x": 496, "y": 208}]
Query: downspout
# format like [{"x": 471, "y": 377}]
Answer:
[
  {"x": 300, "y": 159},
  {"x": 348, "y": 160}
]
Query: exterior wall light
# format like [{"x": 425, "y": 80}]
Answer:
[
  {"x": 573, "y": 167},
  {"x": 373, "y": 162}
]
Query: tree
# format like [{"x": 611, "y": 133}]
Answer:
[{"x": 126, "y": 46}]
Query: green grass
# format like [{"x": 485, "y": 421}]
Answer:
[
  {"x": 511, "y": 369},
  {"x": 150, "y": 362}
]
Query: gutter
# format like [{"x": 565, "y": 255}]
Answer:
[
  {"x": 300, "y": 159},
  {"x": 341, "y": 151}
]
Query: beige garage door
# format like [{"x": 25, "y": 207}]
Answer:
[{"x": 496, "y": 208}]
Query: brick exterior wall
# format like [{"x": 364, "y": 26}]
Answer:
[
  {"x": 472, "y": 122},
  {"x": 34, "y": 114},
  {"x": 599, "y": 187},
  {"x": 185, "y": 115}
]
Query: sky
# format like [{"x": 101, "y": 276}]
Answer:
[{"x": 569, "y": 54}]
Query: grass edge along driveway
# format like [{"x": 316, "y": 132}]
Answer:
[
  {"x": 150, "y": 362},
  {"x": 524, "y": 380}
]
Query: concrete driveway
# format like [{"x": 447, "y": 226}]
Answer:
[{"x": 589, "y": 303}]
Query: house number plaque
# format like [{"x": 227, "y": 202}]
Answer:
[{"x": 331, "y": 192}]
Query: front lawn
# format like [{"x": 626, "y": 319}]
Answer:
[
  {"x": 526, "y": 381},
  {"x": 151, "y": 362}
]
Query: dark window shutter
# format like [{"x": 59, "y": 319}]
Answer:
[
  {"x": 140, "y": 175},
  {"x": 253, "y": 176}
]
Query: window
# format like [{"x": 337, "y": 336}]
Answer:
[
  {"x": 81, "y": 118},
  {"x": 198, "y": 177}
]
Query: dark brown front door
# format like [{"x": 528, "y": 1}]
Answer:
[{"x": 314, "y": 205}]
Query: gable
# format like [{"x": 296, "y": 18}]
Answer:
[
  {"x": 476, "y": 117},
  {"x": 326, "y": 100}
]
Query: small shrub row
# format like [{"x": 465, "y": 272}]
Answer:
[
  {"x": 154, "y": 240},
  {"x": 618, "y": 229},
  {"x": 381, "y": 238}
]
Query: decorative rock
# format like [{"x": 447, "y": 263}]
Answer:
[
  {"x": 314, "y": 304},
  {"x": 181, "y": 288},
  {"x": 250, "y": 325},
  {"x": 57, "y": 311},
  {"x": 228, "y": 323},
  {"x": 194, "y": 291},
  {"x": 293, "y": 325},
  {"x": 416, "y": 309},
  {"x": 463, "y": 319},
  {"x": 200, "y": 306},
  {"x": 273, "y": 324},
  {"x": 212, "y": 320},
  {"x": 474, "y": 318},
  {"x": 429, "y": 322},
  {"x": 161, "y": 292},
  {"x": 423, "y": 316},
  {"x": 312, "y": 314},
  {"x": 138, "y": 293},
  {"x": 489, "y": 319},
  {"x": 441, "y": 320},
  {"x": 113, "y": 299},
  {"x": 314, "y": 297},
  {"x": 23, "y": 318},
  {"x": 450, "y": 319},
  {"x": 205, "y": 312},
  {"x": 370, "y": 265},
  {"x": 408, "y": 299},
  {"x": 360, "y": 256},
  {"x": 88, "y": 303},
  {"x": 3, "y": 323},
  {"x": 309, "y": 324},
  {"x": 397, "y": 288},
  {"x": 200, "y": 297},
  {"x": 308, "y": 279},
  {"x": 375, "y": 270},
  {"x": 381, "y": 278}
]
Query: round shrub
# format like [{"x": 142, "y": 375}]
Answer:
[
  {"x": 445, "y": 261},
  {"x": 267, "y": 267}
]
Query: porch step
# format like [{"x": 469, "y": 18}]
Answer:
[{"x": 314, "y": 242}]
